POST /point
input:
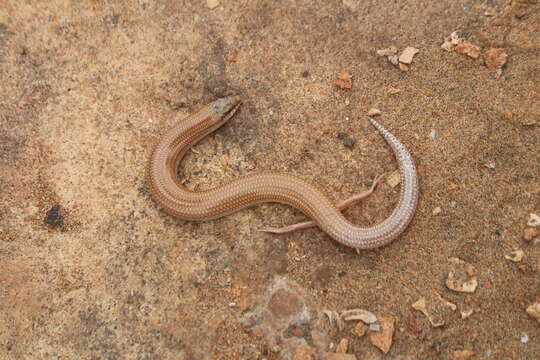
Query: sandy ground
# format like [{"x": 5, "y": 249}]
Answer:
[{"x": 91, "y": 268}]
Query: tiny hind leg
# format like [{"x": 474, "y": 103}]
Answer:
[{"x": 341, "y": 206}]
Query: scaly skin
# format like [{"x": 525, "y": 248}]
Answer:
[{"x": 260, "y": 187}]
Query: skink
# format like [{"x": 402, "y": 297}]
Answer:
[{"x": 173, "y": 197}]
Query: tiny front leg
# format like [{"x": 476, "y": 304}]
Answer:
[{"x": 341, "y": 206}]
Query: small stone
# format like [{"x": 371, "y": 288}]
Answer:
[
  {"x": 524, "y": 338},
  {"x": 436, "y": 211},
  {"x": 515, "y": 256},
  {"x": 232, "y": 304},
  {"x": 495, "y": 58},
  {"x": 342, "y": 346},
  {"x": 212, "y": 4},
  {"x": 374, "y": 327},
  {"x": 534, "y": 220},
  {"x": 490, "y": 165},
  {"x": 359, "y": 314},
  {"x": 468, "y": 49},
  {"x": 54, "y": 216},
  {"x": 383, "y": 339},
  {"x": 432, "y": 134},
  {"x": 394, "y": 179},
  {"x": 231, "y": 58},
  {"x": 530, "y": 233},
  {"x": 304, "y": 353},
  {"x": 346, "y": 140},
  {"x": 344, "y": 80},
  {"x": 407, "y": 55},
  {"x": 374, "y": 112},
  {"x": 447, "y": 46},
  {"x": 463, "y": 354},
  {"x": 466, "y": 313},
  {"x": 453, "y": 186},
  {"x": 403, "y": 67},
  {"x": 392, "y": 50},
  {"x": 360, "y": 329},
  {"x": 394, "y": 59},
  {"x": 455, "y": 39},
  {"x": 305, "y": 74},
  {"x": 460, "y": 278},
  {"x": 435, "y": 308},
  {"x": 340, "y": 356},
  {"x": 393, "y": 91},
  {"x": 534, "y": 310}
]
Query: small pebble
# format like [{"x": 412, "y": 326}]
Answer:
[
  {"x": 407, "y": 55},
  {"x": 515, "y": 256},
  {"x": 434, "y": 309},
  {"x": 534, "y": 220},
  {"x": 466, "y": 313},
  {"x": 393, "y": 91},
  {"x": 212, "y": 4},
  {"x": 530, "y": 233},
  {"x": 374, "y": 112},
  {"x": 344, "y": 80},
  {"x": 374, "y": 327},
  {"x": 468, "y": 49},
  {"x": 437, "y": 211},
  {"x": 533, "y": 310},
  {"x": 54, "y": 216},
  {"x": 394, "y": 59},
  {"x": 461, "y": 276},
  {"x": 490, "y": 165},
  {"x": 383, "y": 338},
  {"x": 394, "y": 179},
  {"x": 403, "y": 67},
  {"x": 432, "y": 134},
  {"x": 524, "y": 338},
  {"x": 455, "y": 39}
]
